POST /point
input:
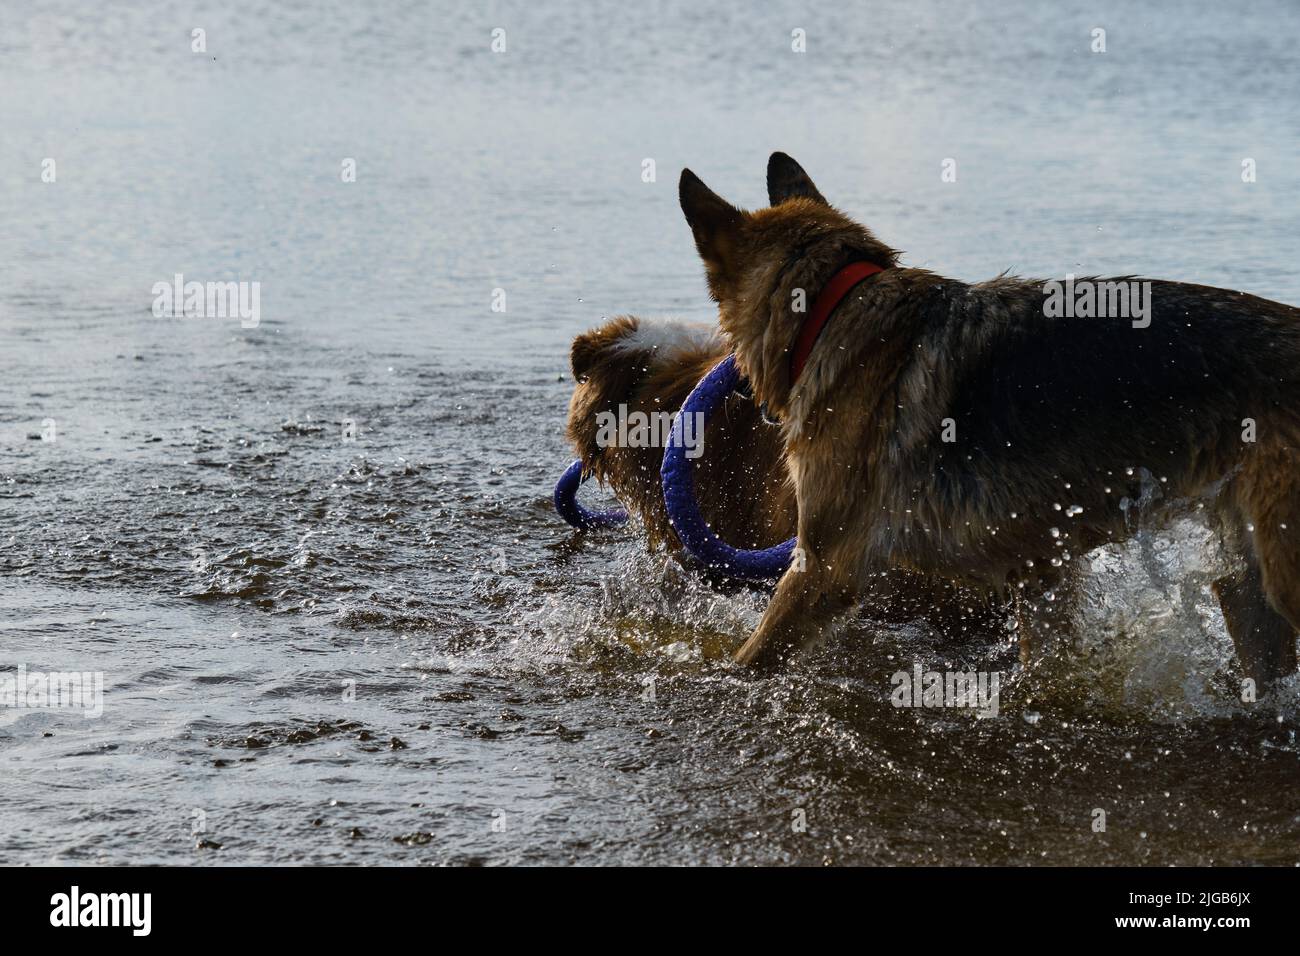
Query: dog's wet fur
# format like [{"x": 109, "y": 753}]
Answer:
[{"x": 1050, "y": 413}]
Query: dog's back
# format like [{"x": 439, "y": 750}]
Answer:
[{"x": 1071, "y": 423}]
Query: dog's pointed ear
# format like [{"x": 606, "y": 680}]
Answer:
[
  {"x": 596, "y": 345},
  {"x": 713, "y": 221},
  {"x": 583, "y": 354},
  {"x": 786, "y": 180}
]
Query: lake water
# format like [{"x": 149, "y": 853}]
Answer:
[{"x": 388, "y": 649}]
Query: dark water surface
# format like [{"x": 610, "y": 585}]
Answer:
[{"x": 389, "y": 650}]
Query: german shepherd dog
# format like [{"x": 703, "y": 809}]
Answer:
[
  {"x": 975, "y": 433},
  {"x": 740, "y": 480}
]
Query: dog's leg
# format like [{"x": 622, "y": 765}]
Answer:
[
  {"x": 805, "y": 603},
  {"x": 1264, "y": 639},
  {"x": 1261, "y": 605},
  {"x": 1045, "y": 616}
]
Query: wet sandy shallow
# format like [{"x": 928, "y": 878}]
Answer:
[{"x": 389, "y": 650}]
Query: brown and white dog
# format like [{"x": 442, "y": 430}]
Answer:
[
  {"x": 972, "y": 432},
  {"x": 629, "y": 365}
]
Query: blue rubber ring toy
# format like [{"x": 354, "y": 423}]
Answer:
[
  {"x": 566, "y": 503},
  {"x": 679, "y": 491}
]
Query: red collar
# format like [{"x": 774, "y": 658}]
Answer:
[{"x": 832, "y": 294}]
